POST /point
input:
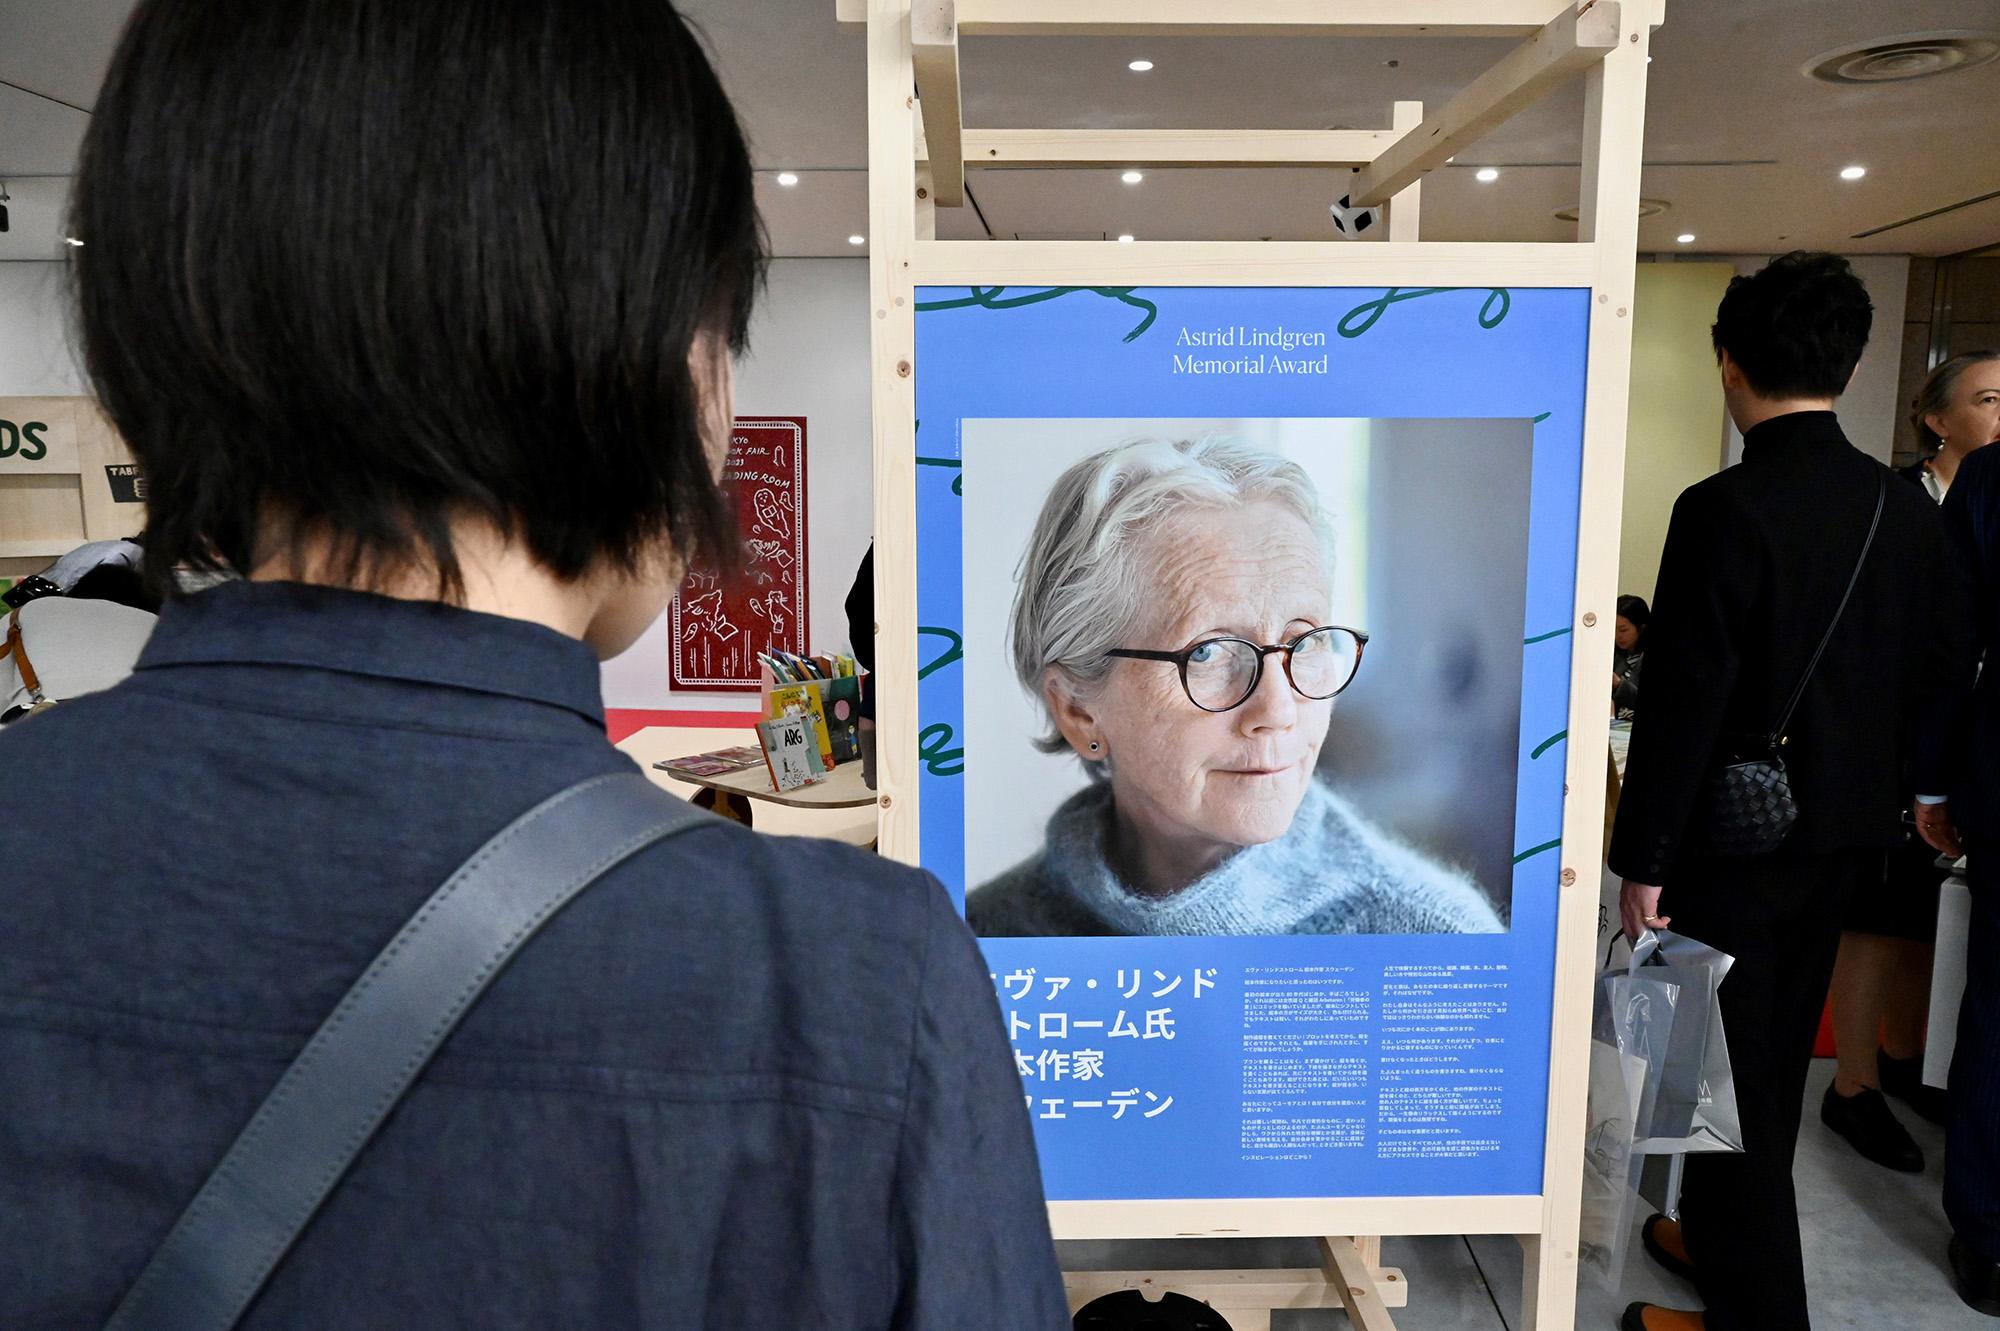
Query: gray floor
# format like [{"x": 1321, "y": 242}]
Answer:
[{"x": 1874, "y": 1244}]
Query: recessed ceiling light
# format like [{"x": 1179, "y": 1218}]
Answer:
[
  {"x": 1140, "y": 66},
  {"x": 787, "y": 179},
  {"x": 857, "y": 240},
  {"x": 1685, "y": 238},
  {"x": 1132, "y": 177},
  {"x": 1125, "y": 239},
  {"x": 1486, "y": 175},
  {"x": 1853, "y": 172},
  {"x": 72, "y": 240}
]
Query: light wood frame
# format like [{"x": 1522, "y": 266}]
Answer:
[{"x": 914, "y": 43}]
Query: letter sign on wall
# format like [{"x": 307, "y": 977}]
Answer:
[{"x": 33, "y": 444}]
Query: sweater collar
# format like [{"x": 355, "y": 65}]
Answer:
[{"x": 1263, "y": 889}]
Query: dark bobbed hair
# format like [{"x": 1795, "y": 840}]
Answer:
[
  {"x": 1796, "y": 327},
  {"x": 1935, "y": 394},
  {"x": 1635, "y": 610},
  {"x": 363, "y": 267}
]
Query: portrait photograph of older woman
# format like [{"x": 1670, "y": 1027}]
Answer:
[{"x": 1245, "y": 677}]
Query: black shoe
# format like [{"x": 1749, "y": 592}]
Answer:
[
  {"x": 1978, "y": 1280},
  {"x": 1668, "y": 1262},
  {"x": 1904, "y": 1079},
  {"x": 1871, "y": 1129}
]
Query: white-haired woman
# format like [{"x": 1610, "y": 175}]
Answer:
[{"x": 1174, "y": 616}]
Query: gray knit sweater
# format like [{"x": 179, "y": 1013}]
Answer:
[{"x": 1332, "y": 873}]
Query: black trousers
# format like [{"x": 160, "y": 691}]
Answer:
[
  {"x": 1972, "y": 1128},
  {"x": 1780, "y": 917}
]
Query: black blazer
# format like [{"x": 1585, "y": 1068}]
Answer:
[
  {"x": 1958, "y": 749},
  {"x": 1755, "y": 562}
]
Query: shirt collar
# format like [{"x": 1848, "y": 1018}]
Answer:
[
  {"x": 1794, "y": 427},
  {"x": 421, "y": 642}
]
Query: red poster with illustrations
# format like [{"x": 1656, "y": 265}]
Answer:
[{"x": 721, "y": 621}]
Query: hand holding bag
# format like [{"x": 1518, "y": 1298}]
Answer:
[{"x": 1746, "y": 805}]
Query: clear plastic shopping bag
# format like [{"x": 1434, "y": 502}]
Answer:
[
  {"x": 1632, "y": 1026},
  {"x": 1610, "y": 1165},
  {"x": 1695, "y": 1109}
]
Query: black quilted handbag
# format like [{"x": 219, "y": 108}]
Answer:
[{"x": 1746, "y": 803}]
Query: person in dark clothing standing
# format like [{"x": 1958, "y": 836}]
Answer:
[
  {"x": 1957, "y": 775},
  {"x": 1755, "y": 565},
  {"x": 419, "y": 321},
  {"x": 1880, "y": 995}
]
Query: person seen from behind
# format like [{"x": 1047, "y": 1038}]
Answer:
[
  {"x": 419, "y": 320},
  {"x": 1880, "y": 995},
  {"x": 1807, "y": 534},
  {"x": 1957, "y": 811}
]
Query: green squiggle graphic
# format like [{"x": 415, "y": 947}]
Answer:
[
  {"x": 945, "y": 658},
  {"x": 939, "y": 760},
  {"x": 1539, "y": 419},
  {"x": 958, "y": 481},
  {"x": 1549, "y": 743},
  {"x": 989, "y": 298},
  {"x": 1533, "y": 851},
  {"x": 1491, "y": 313},
  {"x": 1530, "y": 642}
]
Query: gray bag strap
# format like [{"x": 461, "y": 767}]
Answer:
[{"x": 355, "y": 1068}]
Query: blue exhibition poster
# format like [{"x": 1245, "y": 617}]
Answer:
[{"x": 1243, "y": 686}]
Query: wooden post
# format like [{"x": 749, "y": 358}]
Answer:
[
  {"x": 1614, "y": 124},
  {"x": 892, "y": 226}
]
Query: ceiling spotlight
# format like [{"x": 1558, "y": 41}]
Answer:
[
  {"x": 1685, "y": 238},
  {"x": 1125, "y": 239},
  {"x": 787, "y": 179},
  {"x": 72, "y": 240},
  {"x": 1140, "y": 66},
  {"x": 1853, "y": 172},
  {"x": 1486, "y": 175},
  {"x": 857, "y": 240},
  {"x": 1132, "y": 177}
]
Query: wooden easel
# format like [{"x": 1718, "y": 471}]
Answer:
[{"x": 918, "y": 151}]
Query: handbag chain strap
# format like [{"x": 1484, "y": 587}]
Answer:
[{"x": 1792, "y": 705}]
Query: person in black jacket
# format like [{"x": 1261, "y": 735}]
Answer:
[
  {"x": 1756, "y": 562},
  {"x": 1957, "y": 775}
]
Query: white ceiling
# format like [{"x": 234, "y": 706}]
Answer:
[{"x": 1743, "y": 147}]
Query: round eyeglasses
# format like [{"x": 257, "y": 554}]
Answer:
[{"x": 1220, "y": 674}]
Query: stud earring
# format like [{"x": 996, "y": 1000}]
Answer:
[{"x": 1093, "y": 746}]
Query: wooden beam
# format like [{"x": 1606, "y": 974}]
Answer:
[
  {"x": 1206, "y": 18},
  {"x": 1231, "y": 1291},
  {"x": 1076, "y": 148},
  {"x": 934, "y": 57},
  {"x": 1352, "y": 1279},
  {"x": 1310, "y": 263},
  {"x": 1288, "y": 1217},
  {"x": 1406, "y": 207},
  {"x": 1570, "y": 43}
]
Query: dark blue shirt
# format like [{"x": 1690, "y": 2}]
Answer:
[{"x": 743, "y": 1082}]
